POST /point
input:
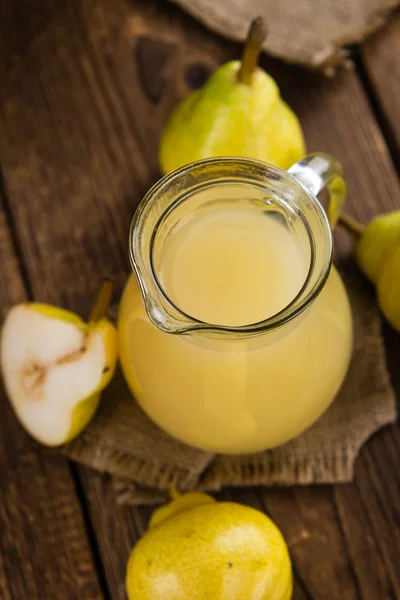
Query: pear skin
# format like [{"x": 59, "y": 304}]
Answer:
[
  {"x": 82, "y": 415},
  {"x": 230, "y": 118},
  {"x": 180, "y": 503},
  {"x": 375, "y": 241},
  {"x": 389, "y": 286},
  {"x": 215, "y": 550}
]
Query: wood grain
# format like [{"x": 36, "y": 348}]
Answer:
[
  {"x": 370, "y": 513},
  {"x": 308, "y": 521},
  {"x": 306, "y": 517},
  {"x": 380, "y": 59},
  {"x": 380, "y": 70},
  {"x": 44, "y": 550},
  {"x": 83, "y": 101},
  {"x": 117, "y": 528}
]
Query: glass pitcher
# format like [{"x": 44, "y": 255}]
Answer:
[{"x": 235, "y": 331}]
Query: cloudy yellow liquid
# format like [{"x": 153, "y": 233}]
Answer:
[{"x": 234, "y": 267}]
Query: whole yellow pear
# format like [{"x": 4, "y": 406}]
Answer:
[{"x": 210, "y": 550}]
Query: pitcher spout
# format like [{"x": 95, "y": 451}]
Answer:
[{"x": 158, "y": 313}]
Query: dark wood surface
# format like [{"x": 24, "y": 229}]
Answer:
[{"x": 86, "y": 87}]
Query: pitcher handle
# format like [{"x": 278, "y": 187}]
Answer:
[{"x": 318, "y": 171}]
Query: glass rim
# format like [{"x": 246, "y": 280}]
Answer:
[{"x": 186, "y": 322}]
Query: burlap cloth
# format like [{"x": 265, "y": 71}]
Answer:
[
  {"x": 308, "y": 32},
  {"x": 145, "y": 461}
]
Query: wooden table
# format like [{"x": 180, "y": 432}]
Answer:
[{"x": 85, "y": 89}]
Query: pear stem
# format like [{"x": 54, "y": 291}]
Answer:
[
  {"x": 252, "y": 48},
  {"x": 102, "y": 302},
  {"x": 174, "y": 494},
  {"x": 351, "y": 225}
]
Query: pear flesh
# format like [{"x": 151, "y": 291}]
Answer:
[
  {"x": 230, "y": 118},
  {"x": 54, "y": 366}
]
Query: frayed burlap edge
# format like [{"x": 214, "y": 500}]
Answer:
[
  {"x": 269, "y": 471},
  {"x": 128, "y": 492},
  {"x": 107, "y": 460},
  {"x": 266, "y": 471}
]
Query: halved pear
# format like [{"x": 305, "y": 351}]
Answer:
[{"x": 55, "y": 365}]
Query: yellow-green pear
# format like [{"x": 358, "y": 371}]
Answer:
[
  {"x": 55, "y": 365},
  {"x": 238, "y": 112},
  {"x": 198, "y": 549},
  {"x": 375, "y": 240},
  {"x": 389, "y": 286}
]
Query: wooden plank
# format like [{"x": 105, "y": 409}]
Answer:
[
  {"x": 308, "y": 521},
  {"x": 117, "y": 528},
  {"x": 79, "y": 163},
  {"x": 44, "y": 550},
  {"x": 82, "y": 116},
  {"x": 369, "y": 512},
  {"x": 381, "y": 66}
]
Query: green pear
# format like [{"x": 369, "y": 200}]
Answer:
[
  {"x": 375, "y": 240},
  {"x": 389, "y": 285},
  {"x": 55, "y": 365},
  {"x": 238, "y": 112}
]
